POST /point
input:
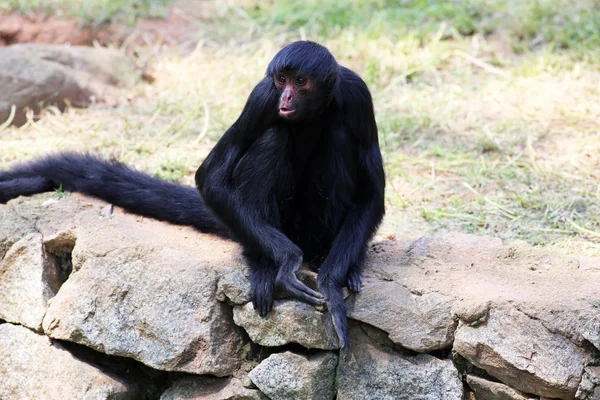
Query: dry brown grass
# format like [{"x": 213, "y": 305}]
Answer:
[{"x": 476, "y": 138}]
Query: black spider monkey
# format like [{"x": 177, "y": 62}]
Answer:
[{"x": 299, "y": 176}]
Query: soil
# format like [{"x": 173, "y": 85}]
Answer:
[{"x": 175, "y": 29}]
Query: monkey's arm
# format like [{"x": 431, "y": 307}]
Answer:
[
  {"x": 236, "y": 181},
  {"x": 342, "y": 264}
]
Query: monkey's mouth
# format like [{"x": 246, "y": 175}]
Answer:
[{"x": 284, "y": 111}]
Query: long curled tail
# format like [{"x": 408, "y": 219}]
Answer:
[{"x": 113, "y": 182}]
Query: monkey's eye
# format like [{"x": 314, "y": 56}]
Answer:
[
  {"x": 301, "y": 80},
  {"x": 281, "y": 79}
]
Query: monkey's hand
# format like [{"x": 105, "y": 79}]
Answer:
[{"x": 287, "y": 282}]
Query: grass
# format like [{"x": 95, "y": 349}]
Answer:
[{"x": 488, "y": 110}]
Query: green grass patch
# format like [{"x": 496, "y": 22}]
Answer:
[{"x": 531, "y": 25}]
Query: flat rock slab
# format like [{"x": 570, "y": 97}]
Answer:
[
  {"x": 33, "y": 367},
  {"x": 422, "y": 323},
  {"x": 152, "y": 305},
  {"x": 33, "y": 74}
]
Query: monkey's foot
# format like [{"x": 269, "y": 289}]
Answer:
[
  {"x": 337, "y": 307},
  {"x": 354, "y": 280},
  {"x": 289, "y": 283}
]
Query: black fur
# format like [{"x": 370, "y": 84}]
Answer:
[
  {"x": 287, "y": 190},
  {"x": 310, "y": 189},
  {"x": 114, "y": 182}
]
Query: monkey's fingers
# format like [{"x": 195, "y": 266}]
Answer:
[
  {"x": 299, "y": 290},
  {"x": 305, "y": 294}
]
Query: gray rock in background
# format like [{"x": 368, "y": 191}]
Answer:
[{"x": 36, "y": 74}]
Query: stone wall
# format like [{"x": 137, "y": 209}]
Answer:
[{"x": 99, "y": 304}]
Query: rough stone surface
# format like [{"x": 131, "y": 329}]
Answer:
[
  {"x": 522, "y": 353},
  {"x": 374, "y": 371},
  {"x": 30, "y": 276},
  {"x": 287, "y": 375},
  {"x": 488, "y": 390},
  {"x": 421, "y": 323},
  {"x": 591, "y": 331},
  {"x": 164, "y": 295},
  {"x": 133, "y": 294},
  {"x": 13, "y": 227},
  {"x": 289, "y": 322},
  {"x": 33, "y": 74},
  {"x": 589, "y": 388},
  {"x": 234, "y": 286},
  {"x": 32, "y": 367},
  {"x": 206, "y": 388},
  {"x": 155, "y": 306}
]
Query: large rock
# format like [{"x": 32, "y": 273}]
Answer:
[
  {"x": 375, "y": 371},
  {"x": 33, "y": 367},
  {"x": 154, "y": 305},
  {"x": 288, "y": 322},
  {"x": 34, "y": 74},
  {"x": 30, "y": 276},
  {"x": 421, "y": 323},
  {"x": 134, "y": 294},
  {"x": 287, "y": 375},
  {"x": 522, "y": 353},
  {"x": 207, "y": 388}
]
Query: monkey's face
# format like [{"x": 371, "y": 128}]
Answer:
[{"x": 299, "y": 95}]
